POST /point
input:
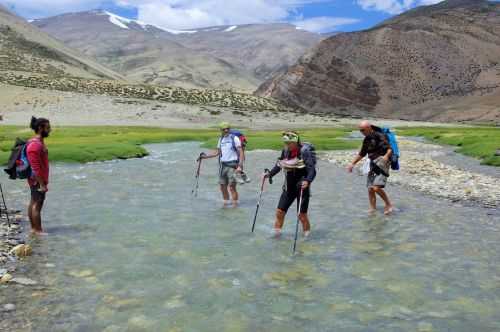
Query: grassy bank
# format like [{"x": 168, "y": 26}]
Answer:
[
  {"x": 478, "y": 142},
  {"x": 85, "y": 144}
]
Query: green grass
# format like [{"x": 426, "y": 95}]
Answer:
[
  {"x": 478, "y": 142},
  {"x": 85, "y": 144}
]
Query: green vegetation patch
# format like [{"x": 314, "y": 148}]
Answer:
[
  {"x": 86, "y": 144},
  {"x": 478, "y": 142}
]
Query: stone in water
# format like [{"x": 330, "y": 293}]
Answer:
[{"x": 21, "y": 250}]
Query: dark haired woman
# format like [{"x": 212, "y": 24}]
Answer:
[{"x": 38, "y": 157}]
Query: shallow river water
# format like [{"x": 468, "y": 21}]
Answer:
[{"x": 130, "y": 250}]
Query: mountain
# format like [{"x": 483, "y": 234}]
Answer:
[
  {"x": 24, "y": 48},
  {"x": 262, "y": 49},
  {"x": 231, "y": 57},
  {"x": 434, "y": 55}
]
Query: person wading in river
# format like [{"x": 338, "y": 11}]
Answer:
[
  {"x": 298, "y": 162},
  {"x": 231, "y": 157},
  {"x": 38, "y": 157},
  {"x": 376, "y": 146}
]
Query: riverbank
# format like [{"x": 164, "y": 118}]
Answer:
[
  {"x": 423, "y": 170},
  {"x": 479, "y": 142},
  {"x": 100, "y": 143},
  {"x": 11, "y": 236}
]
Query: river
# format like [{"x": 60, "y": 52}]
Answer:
[{"x": 130, "y": 250}]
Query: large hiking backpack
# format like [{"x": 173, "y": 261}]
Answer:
[
  {"x": 18, "y": 166},
  {"x": 391, "y": 138},
  {"x": 241, "y": 136},
  {"x": 309, "y": 151}
]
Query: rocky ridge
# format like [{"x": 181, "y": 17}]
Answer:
[{"x": 440, "y": 53}]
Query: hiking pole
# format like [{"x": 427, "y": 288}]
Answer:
[
  {"x": 260, "y": 198},
  {"x": 298, "y": 219},
  {"x": 5, "y": 206},
  {"x": 196, "y": 185}
]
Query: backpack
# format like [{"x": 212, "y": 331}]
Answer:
[
  {"x": 391, "y": 138},
  {"x": 18, "y": 166},
  {"x": 309, "y": 151},
  {"x": 241, "y": 136}
]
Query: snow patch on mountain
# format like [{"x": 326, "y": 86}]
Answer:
[
  {"x": 118, "y": 20},
  {"x": 124, "y": 23},
  {"x": 234, "y": 27},
  {"x": 178, "y": 32}
]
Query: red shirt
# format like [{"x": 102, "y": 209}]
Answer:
[{"x": 38, "y": 157}]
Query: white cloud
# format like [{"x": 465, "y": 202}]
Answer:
[
  {"x": 393, "y": 6},
  {"x": 188, "y": 14},
  {"x": 324, "y": 23},
  {"x": 42, "y": 8},
  {"x": 191, "y": 14}
]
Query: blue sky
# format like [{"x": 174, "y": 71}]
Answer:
[{"x": 313, "y": 15}]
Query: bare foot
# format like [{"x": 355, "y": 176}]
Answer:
[
  {"x": 307, "y": 234},
  {"x": 235, "y": 204},
  {"x": 372, "y": 211},
  {"x": 276, "y": 233},
  {"x": 39, "y": 233},
  {"x": 388, "y": 210}
]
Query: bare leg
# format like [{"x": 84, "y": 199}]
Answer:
[
  {"x": 304, "y": 219},
  {"x": 234, "y": 194},
  {"x": 36, "y": 217},
  {"x": 280, "y": 220},
  {"x": 225, "y": 193},
  {"x": 388, "y": 205},
  {"x": 373, "y": 200},
  {"x": 30, "y": 214}
]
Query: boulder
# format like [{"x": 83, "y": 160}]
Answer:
[
  {"x": 5, "y": 278},
  {"x": 21, "y": 250}
]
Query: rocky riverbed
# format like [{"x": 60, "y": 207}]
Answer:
[{"x": 425, "y": 168}]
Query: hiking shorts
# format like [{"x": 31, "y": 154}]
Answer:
[
  {"x": 288, "y": 197},
  {"x": 227, "y": 174},
  {"x": 376, "y": 178},
  {"x": 37, "y": 195}
]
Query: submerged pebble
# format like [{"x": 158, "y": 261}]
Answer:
[{"x": 8, "y": 307}]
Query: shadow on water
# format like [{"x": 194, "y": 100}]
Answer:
[{"x": 130, "y": 250}]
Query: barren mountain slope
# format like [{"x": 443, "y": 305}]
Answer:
[
  {"x": 427, "y": 56},
  {"x": 228, "y": 57},
  {"x": 24, "y": 48},
  {"x": 136, "y": 50},
  {"x": 262, "y": 49}
]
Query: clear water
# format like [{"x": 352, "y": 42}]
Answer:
[{"x": 130, "y": 250}]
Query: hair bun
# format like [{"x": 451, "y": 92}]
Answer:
[{"x": 33, "y": 123}]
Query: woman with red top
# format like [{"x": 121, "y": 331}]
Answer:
[
  {"x": 299, "y": 164},
  {"x": 38, "y": 157}
]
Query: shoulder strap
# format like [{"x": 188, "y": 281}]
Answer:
[{"x": 233, "y": 142}]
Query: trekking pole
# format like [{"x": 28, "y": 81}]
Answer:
[
  {"x": 5, "y": 206},
  {"x": 196, "y": 185},
  {"x": 298, "y": 219},
  {"x": 260, "y": 198}
]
